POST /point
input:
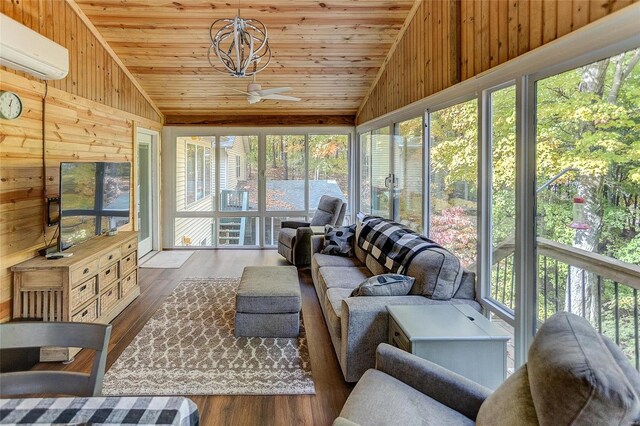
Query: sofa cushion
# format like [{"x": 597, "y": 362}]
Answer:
[
  {"x": 379, "y": 399},
  {"x": 575, "y": 378},
  {"x": 384, "y": 285},
  {"x": 322, "y": 260},
  {"x": 287, "y": 236},
  {"x": 510, "y": 404},
  {"x": 333, "y": 303},
  {"x": 339, "y": 277},
  {"x": 437, "y": 274},
  {"x": 339, "y": 240}
]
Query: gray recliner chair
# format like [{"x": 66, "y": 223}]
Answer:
[
  {"x": 574, "y": 376},
  {"x": 294, "y": 240}
]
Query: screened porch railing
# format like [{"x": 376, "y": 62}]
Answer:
[{"x": 596, "y": 287}]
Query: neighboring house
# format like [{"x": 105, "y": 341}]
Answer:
[{"x": 195, "y": 182}]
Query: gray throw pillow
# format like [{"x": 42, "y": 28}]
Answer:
[
  {"x": 339, "y": 240},
  {"x": 385, "y": 285}
]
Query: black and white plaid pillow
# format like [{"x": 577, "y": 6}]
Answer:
[
  {"x": 339, "y": 240},
  {"x": 385, "y": 285}
]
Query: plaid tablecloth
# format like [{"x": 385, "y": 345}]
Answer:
[{"x": 110, "y": 410}]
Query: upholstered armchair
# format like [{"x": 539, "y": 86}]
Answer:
[
  {"x": 574, "y": 376},
  {"x": 294, "y": 240}
]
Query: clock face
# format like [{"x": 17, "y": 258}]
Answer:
[{"x": 10, "y": 105}]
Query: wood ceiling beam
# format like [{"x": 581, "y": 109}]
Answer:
[
  {"x": 239, "y": 120},
  {"x": 403, "y": 30},
  {"x": 115, "y": 57}
]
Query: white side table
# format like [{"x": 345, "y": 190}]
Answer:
[{"x": 456, "y": 337}]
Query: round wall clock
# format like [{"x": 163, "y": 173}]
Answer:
[{"x": 10, "y": 105}]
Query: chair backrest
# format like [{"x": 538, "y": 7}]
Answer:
[
  {"x": 573, "y": 375},
  {"x": 328, "y": 211},
  {"x": 61, "y": 334}
]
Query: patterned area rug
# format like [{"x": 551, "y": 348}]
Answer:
[{"x": 188, "y": 348}]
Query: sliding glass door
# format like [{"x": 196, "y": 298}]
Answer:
[{"x": 391, "y": 172}]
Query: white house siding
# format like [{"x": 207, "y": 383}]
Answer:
[{"x": 195, "y": 230}]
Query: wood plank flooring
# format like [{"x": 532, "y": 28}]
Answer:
[{"x": 156, "y": 284}]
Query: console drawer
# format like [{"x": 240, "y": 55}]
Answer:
[
  {"x": 397, "y": 337},
  {"x": 81, "y": 274},
  {"x": 87, "y": 314},
  {"x": 128, "y": 263},
  {"x": 110, "y": 257},
  {"x": 129, "y": 246},
  {"x": 128, "y": 283},
  {"x": 109, "y": 275},
  {"x": 109, "y": 298},
  {"x": 83, "y": 292}
]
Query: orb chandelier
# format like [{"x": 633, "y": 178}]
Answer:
[{"x": 241, "y": 46}]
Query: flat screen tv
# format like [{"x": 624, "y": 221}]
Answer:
[{"x": 94, "y": 198}]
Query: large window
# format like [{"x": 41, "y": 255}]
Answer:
[
  {"x": 365, "y": 173},
  {"x": 588, "y": 187},
  {"x": 238, "y": 173},
  {"x": 234, "y": 188},
  {"x": 503, "y": 195},
  {"x": 328, "y": 168},
  {"x": 285, "y": 172},
  {"x": 453, "y": 186},
  {"x": 407, "y": 173}
]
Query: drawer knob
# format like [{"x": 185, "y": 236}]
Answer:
[
  {"x": 395, "y": 333},
  {"x": 110, "y": 256},
  {"x": 86, "y": 271},
  {"x": 83, "y": 288},
  {"x": 107, "y": 272},
  {"x": 129, "y": 246}
]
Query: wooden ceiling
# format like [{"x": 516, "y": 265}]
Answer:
[{"x": 328, "y": 52}]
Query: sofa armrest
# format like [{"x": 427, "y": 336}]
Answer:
[
  {"x": 365, "y": 324},
  {"x": 317, "y": 244},
  {"x": 451, "y": 389},
  {"x": 294, "y": 224}
]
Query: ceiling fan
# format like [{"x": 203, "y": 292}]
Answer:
[{"x": 255, "y": 93}]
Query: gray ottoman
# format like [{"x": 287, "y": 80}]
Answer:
[{"x": 268, "y": 302}]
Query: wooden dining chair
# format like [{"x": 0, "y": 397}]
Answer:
[{"x": 60, "y": 334}]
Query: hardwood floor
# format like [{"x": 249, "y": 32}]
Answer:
[{"x": 156, "y": 284}]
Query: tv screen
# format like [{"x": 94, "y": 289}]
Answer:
[{"x": 94, "y": 198}]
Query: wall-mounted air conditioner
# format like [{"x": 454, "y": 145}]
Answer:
[{"x": 23, "y": 49}]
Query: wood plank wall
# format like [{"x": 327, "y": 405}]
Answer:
[
  {"x": 93, "y": 74},
  {"x": 90, "y": 116},
  {"x": 491, "y": 32}
]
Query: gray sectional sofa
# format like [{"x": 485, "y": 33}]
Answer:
[{"x": 357, "y": 325}]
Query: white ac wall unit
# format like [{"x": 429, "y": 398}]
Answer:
[{"x": 23, "y": 49}]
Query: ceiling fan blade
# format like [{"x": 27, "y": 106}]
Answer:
[
  {"x": 253, "y": 99},
  {"x": 281, "y": 98},
  {"x": 273, "y": 91},
  {"x": 238, "y": 90}
]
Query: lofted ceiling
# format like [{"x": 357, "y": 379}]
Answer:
[{"x": 328, "y": 52}]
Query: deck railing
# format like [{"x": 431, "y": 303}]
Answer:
[{"x": 599, "y": 288}]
